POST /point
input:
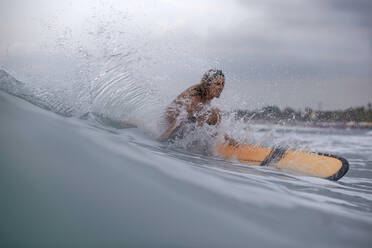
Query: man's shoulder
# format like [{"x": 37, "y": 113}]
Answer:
[
  {"x": 188, "y": 96},
  {"x": 193, "y": 91}
]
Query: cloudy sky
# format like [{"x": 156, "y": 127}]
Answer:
[{"x": 290, "y": 53}]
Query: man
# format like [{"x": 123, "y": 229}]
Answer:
[{"x": 193, "y": 105}]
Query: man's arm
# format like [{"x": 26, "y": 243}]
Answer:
[
  {"x": 172, "y": 129},
  {"x": 212, "y": 117}
]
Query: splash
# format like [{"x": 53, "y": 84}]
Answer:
[
  {"x": 108, "y": 65},
  {"x": 97, "y": 77},
  {"x": 113, "y": 71}
]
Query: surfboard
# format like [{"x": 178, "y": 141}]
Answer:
[{"x": 308, "y": 163}]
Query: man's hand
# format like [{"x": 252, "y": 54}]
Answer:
[
  {"x": 214, "y": 116},
  {"x": 211, "y": 117}
]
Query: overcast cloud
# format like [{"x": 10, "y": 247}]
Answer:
[{"x": 291, "y": 52}]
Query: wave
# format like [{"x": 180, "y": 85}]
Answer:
[
  {"x": 112, "y": 99},
  {"x": 103, "y": 173},
  {"x": 43, "y": 98}
]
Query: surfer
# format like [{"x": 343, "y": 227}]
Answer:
[{"x": 193, "y": 105}]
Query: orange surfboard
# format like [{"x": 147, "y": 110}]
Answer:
[{"x": 309, "y": 163}]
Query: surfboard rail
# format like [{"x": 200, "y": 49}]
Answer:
[{"x": 314, "y": 164}]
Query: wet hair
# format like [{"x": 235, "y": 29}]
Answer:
[{"x": 206, "y": 80}]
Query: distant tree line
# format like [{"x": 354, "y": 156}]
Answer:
[{"x": 274, "y": 113}]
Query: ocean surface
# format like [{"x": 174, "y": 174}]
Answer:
[{"x": 71, "y": 180}]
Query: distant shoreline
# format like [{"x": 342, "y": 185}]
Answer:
[
  {"x": 357, "y": 117},
  {"x": 319, "y": 124}
]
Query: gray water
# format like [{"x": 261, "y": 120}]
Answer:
[{"x": 76, "y": 182}]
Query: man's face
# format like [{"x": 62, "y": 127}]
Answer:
[{"x": 217, "y": 86}]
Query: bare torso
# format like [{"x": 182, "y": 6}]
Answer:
[{"x": 189, "y": 106}]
